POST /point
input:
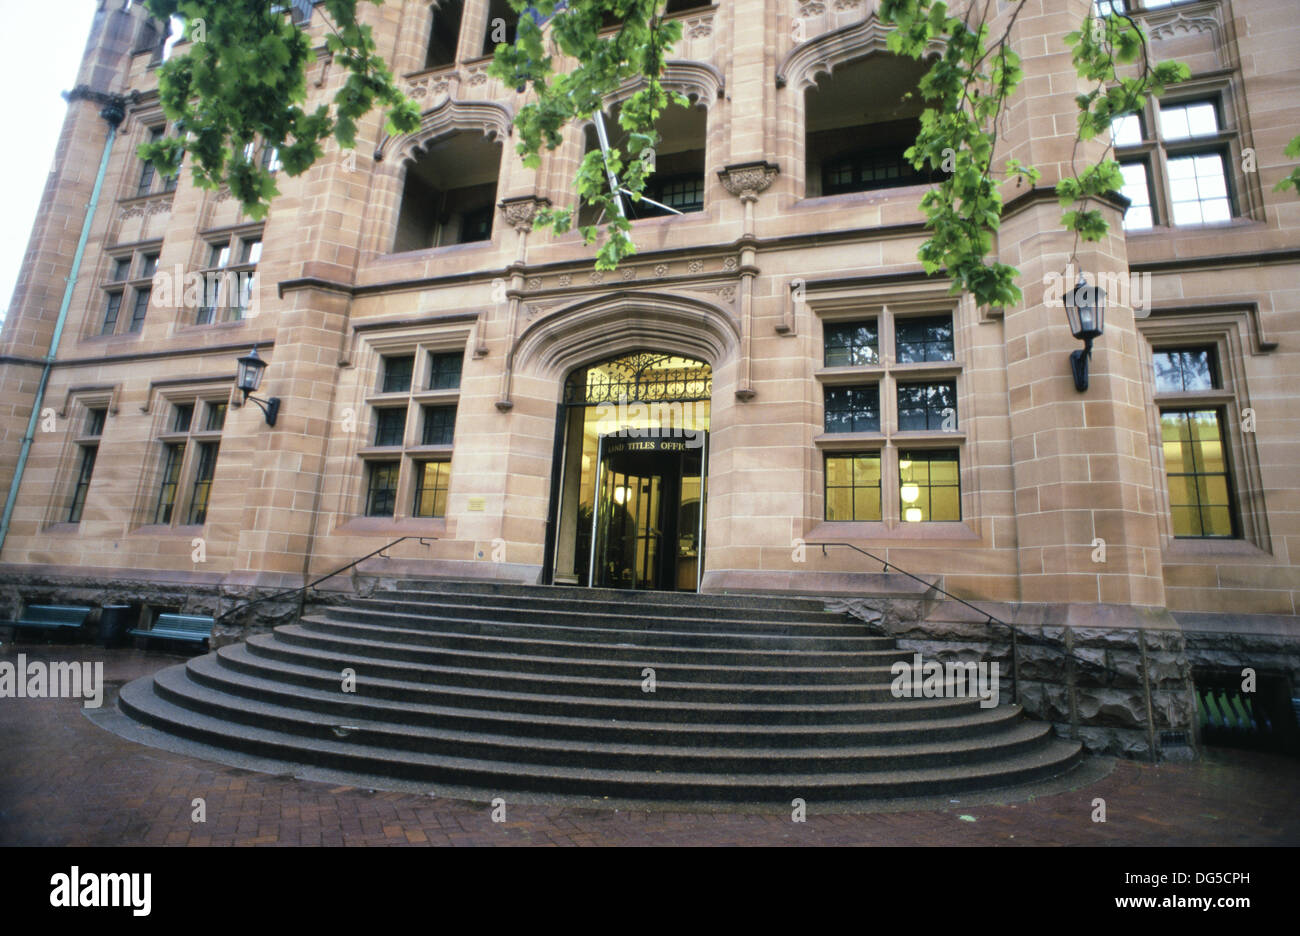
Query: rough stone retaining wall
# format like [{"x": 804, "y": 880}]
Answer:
[{"x": 1099, "y": 697}]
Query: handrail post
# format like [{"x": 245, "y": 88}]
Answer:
[{"x": 1015, "y": 668}]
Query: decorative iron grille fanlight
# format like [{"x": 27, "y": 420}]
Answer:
[{"x": 643, "y": 377}]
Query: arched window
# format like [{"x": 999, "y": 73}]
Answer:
[
  {"x": 449, "y": 196},
  {"x": 444, "y": 34},
  {"x": 859, "y": 120},
  {"x": 678, "y": 179}
]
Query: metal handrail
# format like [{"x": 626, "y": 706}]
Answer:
[
  {"x": 1016, "y": 635},
  {"x": 424, "y": 541}
]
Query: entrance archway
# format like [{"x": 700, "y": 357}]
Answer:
[{"x": 632, "y": 469}]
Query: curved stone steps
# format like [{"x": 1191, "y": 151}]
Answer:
[
  {"x": 479, "y": 693},
  {"x": 373, "y": 697},
  {"x": 271, "y": 707},
  {"x": 593, "y": 630},
  {"x": 751, "y": 623},
  {"x": 1046, "y": 759},
  {"x": 281, "y": 646}
]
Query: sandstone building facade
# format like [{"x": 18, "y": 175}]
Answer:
[{"x": 771, "y": 370}]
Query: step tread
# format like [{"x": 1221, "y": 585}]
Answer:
[
  {"x": 476, "y": 692},
  {"x": 1054, "y": 752},
  {"x": 523, "y": 658},
  {"x": 1013, "y": 733},
  {"x": 761, "y": 653}
]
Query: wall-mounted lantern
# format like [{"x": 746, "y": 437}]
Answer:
[
  {"x": 1085, "y": 306},
  {"x": 249, "y": 378}
]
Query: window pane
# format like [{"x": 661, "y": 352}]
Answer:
[
  {"x": 444, "y": 370},
  {"x": 381, "y": 492},
  {"x": 95, "y": 421},
  {"x": 203, "y": 473},
  {"x": 173, "y": 455},
  {"x": 1199, "y": 187},
  {"x": 140, "y": 310},
  {"x": 110, "y": 313},
  {"x": 1200, "y": 492},
  {"x": 852, "y": 344},
  {"x": 184, "y": 415},
  {"x": 216, "y": 417},
  {"x": 84, "y": 472},
  {"x": 853, "y": 409},
  {"x": 390, "y": 426},
  {"x": 431, "y": 489},
  {"x": 439, "y": 425},
  {"x": 929, "y": 486},
  {"x": 1137, "y": 190},
  {"x": 1126, "y": 130},
  {"x": 923, "y": 339},
  {"x": 397, "y": 373},
  {"x": 853, "y": 487}
]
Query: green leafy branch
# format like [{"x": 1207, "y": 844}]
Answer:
[
  {"x": 594, "y": 67},
  {"x": 1099, "y": 49},
  {"x": 242, "y": 79}
]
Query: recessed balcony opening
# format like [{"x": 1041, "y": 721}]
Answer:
[
  {"x": 450, "y": 193},
  {"x": 858, "y": 124},
  {"x": 501, "y": 23},
  {"x": 444, "y": 34},
  {"x": 678, "y": 178}
]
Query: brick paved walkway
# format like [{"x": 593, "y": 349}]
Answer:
[{"x": 66, "y": 781}]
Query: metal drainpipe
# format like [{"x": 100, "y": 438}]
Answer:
[{"x": 113, "y": 113}]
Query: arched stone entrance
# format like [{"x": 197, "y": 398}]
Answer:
[
  {"x": 656, "y": 349},
  {"x": 629, "y": 505}
]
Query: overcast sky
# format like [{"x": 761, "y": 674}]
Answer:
[{"x": 46, "y": 40}]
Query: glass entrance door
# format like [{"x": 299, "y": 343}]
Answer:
[{"x": 648, "y": 525}]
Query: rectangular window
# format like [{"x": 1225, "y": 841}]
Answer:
[
  {"x": 476, "y": 225},
  {"x": 173, "y": 455},
  {"x": 147, "y": 170},
  {"x": 203, "y": 472},
  {"x": 148, "y": 265},
  {"x": 1192, "y": 119},
  {"x": 219, "y": 255},
  {"x": 251, "y": 251},
  {"x": 923, "y": 339},
  {"x": 381, "y": 489},
  {"x": 1126, "y": 130},
  {"x": 216, "y": 417},
  {"x": 874, "y": 169},
  {"x": 1137, "y": 189},
  {"x": 111, "y": 313},
  {"x": 439, "y": 425},
  {"x": 444, "y": 370},
  {"x": 685, "y": 192},
  {"x": 1199, "y": 189},
  {"x": 88, "y": 455},
  {"x": 853, "y": 487},
  {"x": 397, "y": 374},
  {"x": 929, "y": 486},
  {"x": 1200, "y": 498},
  {"x": 852, "y": 343},
  {"x": 431, "y": 488},
  {"x": 1185, "y": 369},
  {"x": 853, "y": 409},
  {"x": 121, "y": 269},
  {"x": 95, "y": 421},
  {"x": 184, "y": 416},
  {"x": 140, "y": 309},
  {"x": 1109, "y": 7},
  {"x": 271, "y": 159},
  {"x": 931, "y": 406},
  {"x": 390, "y": 425}
]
